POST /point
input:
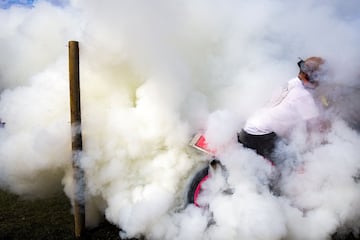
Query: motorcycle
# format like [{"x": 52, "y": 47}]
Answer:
[{"x": 342, "y": 104}]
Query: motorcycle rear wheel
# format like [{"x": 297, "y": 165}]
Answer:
[{"x": 195, "y": 186}]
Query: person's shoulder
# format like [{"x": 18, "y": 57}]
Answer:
[
  {"x": 294, "y": 81},
  {"x": 298, "y": 91},
  {"x": 295, "y": 85}
]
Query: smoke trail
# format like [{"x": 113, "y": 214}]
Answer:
[{"x": 153, "y": 74}]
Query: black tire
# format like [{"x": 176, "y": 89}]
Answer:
[{"x": 199, "y": 176}]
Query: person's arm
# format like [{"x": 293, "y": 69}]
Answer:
[{"x": 318, "y": 125}]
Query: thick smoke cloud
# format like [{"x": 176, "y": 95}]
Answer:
[{"x": 153, "y": 74}]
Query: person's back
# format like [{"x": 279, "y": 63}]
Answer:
[
  {"x": 282, "y": 115},
  {"x": 294, "y": 105}
]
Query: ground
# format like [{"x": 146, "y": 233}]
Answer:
[
  {"x": 44, "y": 219},
  {"x": 51, "y": 219}
]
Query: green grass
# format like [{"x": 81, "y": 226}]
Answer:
[{"x": 44, "y": 219}]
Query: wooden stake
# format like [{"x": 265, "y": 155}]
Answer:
[{"x": 79, "y": 181}]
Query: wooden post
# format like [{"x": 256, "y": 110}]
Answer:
[{"x": 79, "y": 181}]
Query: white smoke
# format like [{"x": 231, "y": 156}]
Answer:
[{"x": 152, "y": 74}]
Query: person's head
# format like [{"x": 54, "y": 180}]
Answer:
[{"x": 310, "y": 70}]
